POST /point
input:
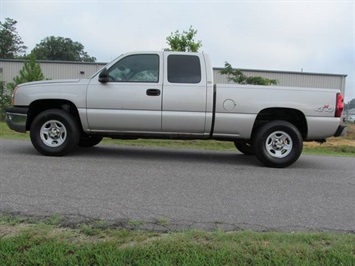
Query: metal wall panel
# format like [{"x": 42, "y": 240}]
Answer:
[
  {"x": 51, "y": 69},
  {"x": 77, "y": 70},
  {"x": 293, "y": 79},
  {"x": 69, "y": 70}
]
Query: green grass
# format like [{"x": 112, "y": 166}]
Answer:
[
  {"x": 6, "y": 133},
  {"x": 335, "y": 150},
  {"x": 340, "y": 150},
  {"x": 45, "y": 244}
]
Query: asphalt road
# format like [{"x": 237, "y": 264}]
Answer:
[{"x": 166, "y": 189}]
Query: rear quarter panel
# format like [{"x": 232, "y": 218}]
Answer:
[{"x": 237, "y": 107}]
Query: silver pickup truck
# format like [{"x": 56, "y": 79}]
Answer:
[{"x": 171, "y": 95}]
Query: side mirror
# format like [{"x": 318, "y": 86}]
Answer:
[{"x": 103, "y": 77}]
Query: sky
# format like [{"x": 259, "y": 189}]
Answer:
[{"x": 300, "y": 35}]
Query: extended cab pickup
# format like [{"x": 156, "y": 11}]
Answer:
[{"x": 172, "y": 95}]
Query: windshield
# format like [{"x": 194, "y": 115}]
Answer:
[{"x": 107, "y": 66}]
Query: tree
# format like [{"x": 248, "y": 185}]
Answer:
[
  {"x": 60, "y": 48},
  {"x": 350, "y": 105},
  {"x": 11, "y": 45},
  {"x": 237, "y": 76},
  {"x": 31, "y": 71},
  {"x": 183, "y": 41},
  {"x": 5, "y": 98}
]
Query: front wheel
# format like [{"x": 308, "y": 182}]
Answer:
[
  {"x": 54, "y": 132},
  {"x": 278, "y": 144}
]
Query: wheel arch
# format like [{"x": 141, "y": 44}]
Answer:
[
  {"x": 293, "y": 116},
  {"x": 39, "y": 106}
]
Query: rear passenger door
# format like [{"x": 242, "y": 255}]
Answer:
[{"x": 184, "y": 94}]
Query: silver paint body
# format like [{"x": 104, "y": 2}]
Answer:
[{"x": 184, "y": 110}]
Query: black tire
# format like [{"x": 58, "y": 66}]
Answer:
[
  {"x": 88, "y": 141},
  {"x": 54, "y": 132},
  {"x": 244, "y": 147},
  {"x": 278, "y": 144}
]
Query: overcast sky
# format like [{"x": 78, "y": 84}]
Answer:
[{"x": 316, "y": 36}]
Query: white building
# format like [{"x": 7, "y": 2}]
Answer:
[{"x": 9, "y": 68}]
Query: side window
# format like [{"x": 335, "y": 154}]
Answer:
[
  {"x": 136, "y": 68},
  {"x": 184, "y": 69}
]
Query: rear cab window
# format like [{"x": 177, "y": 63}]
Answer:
[{"x": 184, "y": 69}]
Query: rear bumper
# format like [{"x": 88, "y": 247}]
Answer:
[
  {"x": 16, "y": 118},
  {"x": 341, "y": 131}
]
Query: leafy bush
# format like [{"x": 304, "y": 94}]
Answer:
[{"x": 5, "y": 99}]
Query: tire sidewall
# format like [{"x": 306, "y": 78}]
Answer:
[
  {"x": 70, "y": 125},
  {"x": 261, "y": 137}
]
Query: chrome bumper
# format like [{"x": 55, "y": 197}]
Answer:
[{"x": 16, "y": 118}]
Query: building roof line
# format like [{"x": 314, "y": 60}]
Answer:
[
  {"x": 284, "y": 72},
  {"x": 214, "y": 68},
  {"x": 53, "y": 62}
]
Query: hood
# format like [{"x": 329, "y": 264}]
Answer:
[{"x": 50, "y": 82}]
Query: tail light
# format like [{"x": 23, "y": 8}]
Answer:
[{"x": 339, "y": 105}]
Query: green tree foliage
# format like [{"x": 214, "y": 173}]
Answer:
[
  {"x": 350, "y": 105},
  {"x": 184, "y": 41},
  {"x": 61, "y": 49},
  {"x": 5, "y": 99},
  {"x": 237, "y": 76},
  {"x": 11, "y": 45},
  {"x": 31, "y": 71}
]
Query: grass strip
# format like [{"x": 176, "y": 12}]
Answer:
[{"x": 46, "y": 244}]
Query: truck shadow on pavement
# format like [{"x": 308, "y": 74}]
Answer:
[
  {"x": 158, "y": 155},
  {"x": 167, "y": 155}
]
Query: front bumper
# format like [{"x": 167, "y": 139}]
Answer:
[
  {"x": 341, "y": 131},
  {"x": 16, "y": 118}
]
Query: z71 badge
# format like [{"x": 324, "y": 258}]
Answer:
[{"x": 325, "y": 108}]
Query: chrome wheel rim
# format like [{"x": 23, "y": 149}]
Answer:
[
  {"x": 279, "y": 144},
  {"x": 53, "y": 133}
]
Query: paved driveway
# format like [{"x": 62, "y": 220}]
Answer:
[{"x": 166, "y": 189}]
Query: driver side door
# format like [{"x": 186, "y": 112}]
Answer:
[{"x": 130, "y": 100}]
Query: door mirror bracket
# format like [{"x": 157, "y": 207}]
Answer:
[{"x": 103, "y": 77}]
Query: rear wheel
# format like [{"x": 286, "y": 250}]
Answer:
[
  {"x": 278, "y": 144},
  {"x": 54, "y": 132}
]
